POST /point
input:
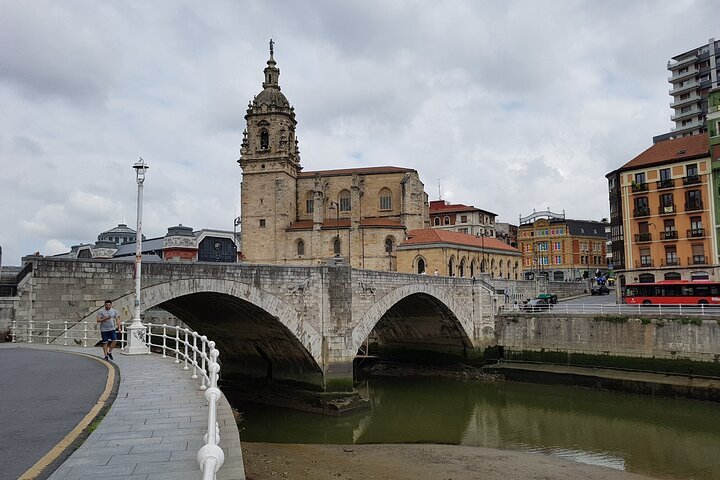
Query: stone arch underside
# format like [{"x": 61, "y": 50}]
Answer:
[
  {"x": 259, "y": 336},
  {"x": 414, "y": 319}
]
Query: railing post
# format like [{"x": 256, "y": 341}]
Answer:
[
  {"x": 186, "y": 349},
  {"x": 203, "y": 355},
  {"x": 65, "y": 333},
  {"x": 30, "y": 331},
  {"x": 47, "y": 333},
  {"x": 660, "y": 308},
  {"x": 164, "y": 347},
  {"x": 177, "y": 344},
  {"x": 84, "y": 334},
  {"x": 210, "y": 457},
  {"x": 702, "y": 309},
  {"x": 14, "y": 331},
  {"x": 194, "y": 361}
]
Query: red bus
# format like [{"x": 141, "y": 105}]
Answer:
[{"x": 673, "y": 292}]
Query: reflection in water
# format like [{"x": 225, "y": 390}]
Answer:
[{"x": 653, "y": 436}]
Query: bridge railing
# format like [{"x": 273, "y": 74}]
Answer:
[
  {"x": 618, "y": 309},
  {"x": 190, "y": 348}
]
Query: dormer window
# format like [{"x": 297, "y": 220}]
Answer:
[{"x": 264, "y": 140}]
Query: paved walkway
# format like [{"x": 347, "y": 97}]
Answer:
[{"x": 154, "y": 427}]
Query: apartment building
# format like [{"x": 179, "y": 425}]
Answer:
[
  {"x": 661, "y": 208},
  {"x": 462, "y": 218},
  {"x": 692, "y": 75},
  {"x": 560, "y": 249}
]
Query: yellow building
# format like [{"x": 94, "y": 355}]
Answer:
[
  {"x": 290, "y": 216},
  {"x": 559, "y": 248},
  {"x": 665, "y": 209},
  {"x": 457, "y": 254}
]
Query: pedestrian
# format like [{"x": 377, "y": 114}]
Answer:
[
  {"x": 437, "y": 274},
  {"x": 109, "y": 321}
]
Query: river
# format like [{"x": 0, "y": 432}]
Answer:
[{"x": 659, "y": 437}]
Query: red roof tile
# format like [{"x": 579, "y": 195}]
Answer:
[
  {"x": 427, "y": 236},
  {"x": 671, "y": 150},
  {"x": 350, "y": 171},
  {"x": 441, "y": 206}
]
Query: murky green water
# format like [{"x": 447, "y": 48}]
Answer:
[{"x": 653, "y": 436}]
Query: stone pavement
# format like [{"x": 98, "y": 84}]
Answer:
[{"x": 154, "y": 428}]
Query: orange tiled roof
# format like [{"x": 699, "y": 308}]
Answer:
[
  {"x": 427, "y": 236},
  {"x": 440, "y": 206},
  {"x": 350, "y": 171},
  {"x": 671, "y": 151}
]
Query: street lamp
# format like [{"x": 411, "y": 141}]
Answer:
[
  {"x": 136, "y": 332},
  {"x": 336, "y": 206}
]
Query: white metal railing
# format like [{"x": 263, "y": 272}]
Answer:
[
  {"x": 609, "y": 309},
  {"x": 192, "y": 349}
]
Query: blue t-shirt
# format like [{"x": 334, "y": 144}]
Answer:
[{"x": 109, "y": 319}]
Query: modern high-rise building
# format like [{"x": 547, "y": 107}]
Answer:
[{"x": 692, "y": 75}]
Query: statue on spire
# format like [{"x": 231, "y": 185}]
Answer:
[{"x": 271, "y": 47}]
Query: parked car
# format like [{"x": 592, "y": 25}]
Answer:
[
  {"x": 535, "y": 305},
  {"x": 550, "y": 298},
  {"x": 599, "y": 290}
]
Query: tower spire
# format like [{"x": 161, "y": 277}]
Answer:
[{"x": 271, "y": 47}]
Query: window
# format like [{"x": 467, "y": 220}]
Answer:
[
  {"x": 463, "y": 219},
  {"x": 264, "y": 140},
  {"x": 309, "y": 203},
  {"x": 336, "y": 246},
  {"x": 698, "y": 254},
  {"x": 344, "y": 202},
  {"x": 665, "y": 174},
  {"x": 558, "y": 260},
  {"x": 385, "y": 199},
  {"x": 420, "y": 266},
  {"x": 437, "y": 221},
  {"x": 389, "y": 244},
  {"x": 693, "y": 200},
  {"x": 696, "y": 223},
  {"x": 262, "y": 222},
  {"x": 557, "y": 246},
  {"x": 300, "y": 248},
  {"x": 692, "y": 170},
  {"x": 640, "y": 178},
  {"x": 645, "y": 259},
  {"x": 446, "y": 221},
  {"x": 666, "y": 202},
  {"x": 669, "y": 225},
  {"x": 642, "y": 207},
  {"x": 671, "y": 257}
]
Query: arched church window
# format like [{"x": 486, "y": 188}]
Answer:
[
  {"x": 420, "y": 265},
  {"x": 344, "y": 202},
  {"x": 300, "y": 247},
  {"x": 389, "y": 244},
  {"x": 451, "y": 267},
  {"x": 437, "y": 221},
  {"x": 446, "y": 220},
  {"x": 309, "y": 203},
  {"x": 385, "y": 199},
  {"x": 264, "y": 140},
  {"x": 336, "y": 246}
]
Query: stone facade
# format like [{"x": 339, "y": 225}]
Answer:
[{"x": 290, "y": 216}]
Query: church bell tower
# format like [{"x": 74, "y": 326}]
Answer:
[{"x": 270, "y": 162}]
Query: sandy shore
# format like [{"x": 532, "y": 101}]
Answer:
[{"x": 265, "y": 461}]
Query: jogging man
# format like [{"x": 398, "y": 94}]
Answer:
[{"x": 109, "y": 321}]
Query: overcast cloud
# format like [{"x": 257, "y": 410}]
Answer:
[{"x": 510, "y": 105}]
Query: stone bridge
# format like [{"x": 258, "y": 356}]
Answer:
[{"x": 299, "y": 324}]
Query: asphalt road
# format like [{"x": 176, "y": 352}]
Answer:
[{"x": 44, "y": 396}]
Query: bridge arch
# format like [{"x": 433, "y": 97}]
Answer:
[
  {"x": 376, "y": 312},
  {"x": 284, "y": 313}
]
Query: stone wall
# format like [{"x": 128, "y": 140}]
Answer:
[
  {"x": 691, "y": 338},
  {"x": 8, "y": 306}
]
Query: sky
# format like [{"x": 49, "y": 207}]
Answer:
[{"x": 509, "y": 106}]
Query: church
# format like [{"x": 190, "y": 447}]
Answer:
[{"x": 291, "y": 216}]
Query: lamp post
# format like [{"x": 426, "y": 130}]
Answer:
[
  {"x": 336, "y": 206},
  {"x": 136, "y": 332}
]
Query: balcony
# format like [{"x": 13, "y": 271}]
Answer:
[
  {"x": 643, "y": 237},
  {"x": 677, "y": 76},
  {"x": 691, "y": 180},
  {"x": 645, "y": 262},
  {"x": 693, "y": 206},
  {"x": 670, "y": 262},
  {"x": 696, "y": 233},
  {"x": 666, "y": 209},
  {"x": 697, "y": 260},
  {"x": 641, "y": 212},
  {"x": 639, "y": 187},
  {"x": 669, "y": 183},
  {"x": 694, "y": 97},
  {"x": 669, "y": 235},
  {"x": 674, "y": 64},
  {"x": 687, "y": 86},
  {"x": 688, "y": 127}
]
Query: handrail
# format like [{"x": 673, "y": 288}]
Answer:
[
  {"x": 610, "y": 309},
  {"x": 189, "y": 347}
]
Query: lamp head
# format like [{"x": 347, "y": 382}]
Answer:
[{"x": 140, "y": 168}]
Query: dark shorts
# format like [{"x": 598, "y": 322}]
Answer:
[{"x": 108, "y": 337}]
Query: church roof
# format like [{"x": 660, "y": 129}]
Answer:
[
  {"x": 429, "y": 237},
  {"x": 351, "y": 171},
  {"x": 271, "y": 96}
]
